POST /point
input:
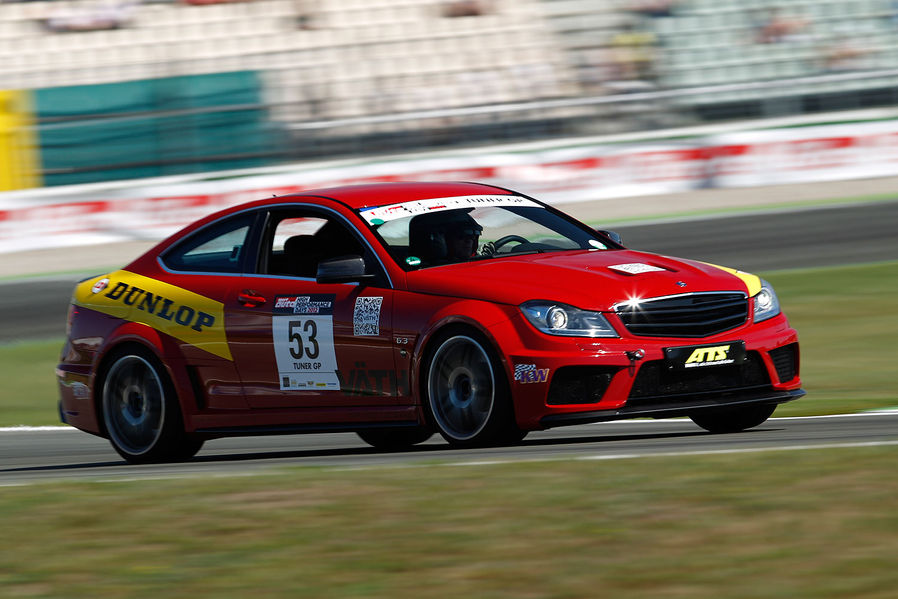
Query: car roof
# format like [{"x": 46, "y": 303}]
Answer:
[{"x": 380, "y": 194}]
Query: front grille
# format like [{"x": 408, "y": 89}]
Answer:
[
  {"x": 689, "y": 315},
  {"x": 656, "y": 379},
  {"x": 785, "y": 361},
  {"x": 579, "y": 384}
]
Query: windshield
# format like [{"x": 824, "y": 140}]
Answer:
[{"x": 447, "y": 230}]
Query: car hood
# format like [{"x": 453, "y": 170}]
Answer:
[{"x": 589, "y": 279}]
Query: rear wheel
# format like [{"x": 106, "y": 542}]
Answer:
[
  {"x": 141, "y": 412},
  {"x": 395, "y": 439},
  {"x": 735, "y": 420},
  {"x": 467, "y": 393}
]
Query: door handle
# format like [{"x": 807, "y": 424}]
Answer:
[{"x": 250, "y": 299}]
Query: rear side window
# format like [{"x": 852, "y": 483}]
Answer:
[{"x": 220, "y": 247}]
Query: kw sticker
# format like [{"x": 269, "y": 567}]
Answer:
[
  {"x": 709, "y": 356},
  {"x": 185, "y": 315},
  {"x": 529, "y": 373}
]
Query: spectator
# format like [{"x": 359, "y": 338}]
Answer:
[
  {"x": 96, "y": 17},
  {"x": 776, "y": 28},
  {"x": 464, "y": 8},
  {"x": 653, "y": 8},
  {"x": 632, "y": 54},
  {"x": 844, "y": 54}
]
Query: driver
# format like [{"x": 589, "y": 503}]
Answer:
[
  {"x": 461, "y": 238},
  {"x": 449, "y": 236}
]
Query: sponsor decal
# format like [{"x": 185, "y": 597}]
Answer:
[
  {"x": 705, "y": 355},
  {"x": 529, "y": 373},
  {"x": 363, "y": 381},
  {"x": 302, "y": 332},
  {"x": 303, "y": 304},
  {"x": 366, "y": 316},
  {"x": 404, "y": 209},
  {"x": 99, "y": 286},
  {"x": 709, "y": 356},
  {"x": 80, "y": 391},
  {"x": 190, "y": 317},
  {"x": 635, "y": 268}
]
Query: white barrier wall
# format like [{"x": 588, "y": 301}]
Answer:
[{"x": 154, "y": 208}]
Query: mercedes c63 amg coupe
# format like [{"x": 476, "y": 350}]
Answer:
[{"x": 399, "y": 310}]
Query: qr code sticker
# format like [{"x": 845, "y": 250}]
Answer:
[{"x": 366, "y": 316}]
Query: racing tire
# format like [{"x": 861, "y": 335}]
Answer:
[
  {"x": 466, "y": 392},
  {"x": 396, "y": 438},
  {"x": 735, "y": 420},
  {"x": 141, "y": 413}
]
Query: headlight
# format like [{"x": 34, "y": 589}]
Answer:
[
  {"x": 560, "y": 319},
  {"x": 766, "y": 303}
]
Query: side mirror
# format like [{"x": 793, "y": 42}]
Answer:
[
  {"x": 612, "y": 235},
  {"x": 344, "y": 269}
]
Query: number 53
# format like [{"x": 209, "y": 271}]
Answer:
[{"x": 309, "y": 343}]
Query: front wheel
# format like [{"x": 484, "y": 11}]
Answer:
[
  {"x": 141, "y": 412},
  {"x": 734, "y": 420},
  {"x": 467, "y": 393}
]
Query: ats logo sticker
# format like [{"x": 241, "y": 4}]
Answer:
[{"x": 709, "y": 356}]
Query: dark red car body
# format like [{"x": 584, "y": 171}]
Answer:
[{"x": 210, "y": 336}]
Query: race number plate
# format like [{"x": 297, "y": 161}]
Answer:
[
  {"x": 302, "y": 328},
  {"x": 705, "y": 356}
]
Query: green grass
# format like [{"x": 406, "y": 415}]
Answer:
[
  {"x": 29, "y": 391},
  {"x": 847, "y": 323},
  {"x": 847, "y": 320},
  {"x": 796, "y": 525}
]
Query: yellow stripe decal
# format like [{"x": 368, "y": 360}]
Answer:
[
  {"x": 188, "y": 316},
  {"x": 752, "y": 282}
]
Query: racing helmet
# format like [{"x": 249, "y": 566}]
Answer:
[{"x": 428, "y": 232}]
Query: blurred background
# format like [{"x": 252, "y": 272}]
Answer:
[{"x": 99, "y": 90}]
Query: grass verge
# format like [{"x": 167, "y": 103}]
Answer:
[
  {"x": 847, "y": 323},
  {"x": 29, "y": 392},
  {"x": 846, "y": 317},
  {"x": 808, "y": 524}
]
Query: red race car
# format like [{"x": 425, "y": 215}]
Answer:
[{"x": 397, "y": 310}]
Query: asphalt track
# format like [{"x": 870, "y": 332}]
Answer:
[
  {"x": 758, "y": 242},
  {"x": 34, "y": 456}
]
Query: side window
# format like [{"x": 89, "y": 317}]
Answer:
[
  {"x": 298, "y": 239},
  {"x": 218, "y": 248},
  {"x": 292, "y": 247}
]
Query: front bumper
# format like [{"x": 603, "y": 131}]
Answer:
[
  {"x": 575, "y": 380},
  {"x": 672, "y": 409}
]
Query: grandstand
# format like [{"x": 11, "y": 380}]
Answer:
[
  {"x": 342, "y": 76},
  {"x": 344, "y": 57}
]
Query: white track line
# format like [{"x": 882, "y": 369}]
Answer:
[{"x": 880, "y": 412}]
